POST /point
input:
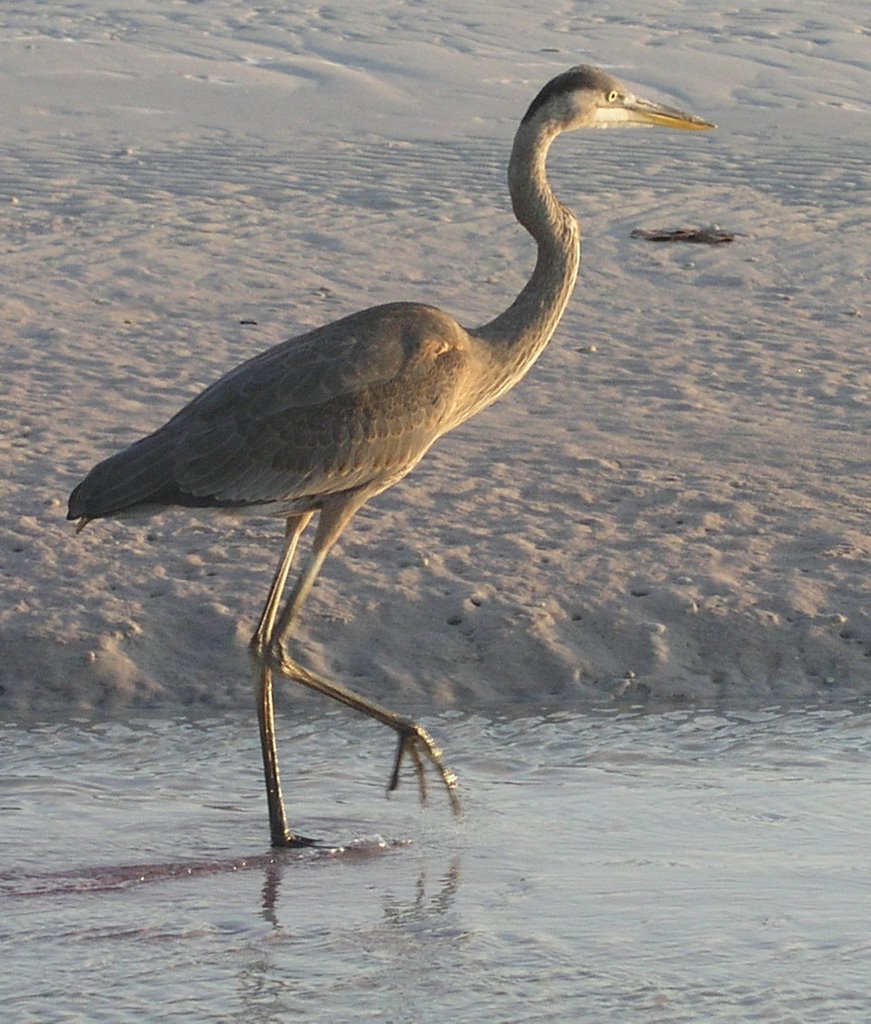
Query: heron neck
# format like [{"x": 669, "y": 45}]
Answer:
[{"x": 517, "y": 337}]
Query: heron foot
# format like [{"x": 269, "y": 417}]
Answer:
[
  {"x": 292, "y": 841},
  {"x": 415, "y": 741}
]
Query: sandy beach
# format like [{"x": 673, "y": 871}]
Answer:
[{"x": 673, "y": 506}]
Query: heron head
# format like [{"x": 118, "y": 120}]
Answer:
[{"x": 587, "y": 97}]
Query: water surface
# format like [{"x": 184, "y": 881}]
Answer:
[{"x": 679, "y": 866}]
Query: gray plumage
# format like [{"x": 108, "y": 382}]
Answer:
[
  {"x": 324, "y": 421},
  {"x": 341, "y": 407}
]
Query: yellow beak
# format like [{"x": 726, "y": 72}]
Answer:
[{"x": 634, "y": 110}]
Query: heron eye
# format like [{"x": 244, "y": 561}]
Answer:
[{"x": 613, "y": 96}]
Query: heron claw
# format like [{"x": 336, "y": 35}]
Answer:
[{"x": 415, "y": 741}]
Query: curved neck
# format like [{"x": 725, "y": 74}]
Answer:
[{"x": 518, "y": 336}]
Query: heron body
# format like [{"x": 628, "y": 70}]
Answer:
[
  {"x": 324, "y": 421},
  {"x": 345, "y": 408}
]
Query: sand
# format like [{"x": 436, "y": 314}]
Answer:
[{"x": 673, "y": 506}]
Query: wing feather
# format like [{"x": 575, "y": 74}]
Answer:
[{"x": 350, "y": 404}]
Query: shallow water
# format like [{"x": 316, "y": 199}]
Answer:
[{"x": 618, "y": 866}]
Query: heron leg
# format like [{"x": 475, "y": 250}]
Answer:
[
  {"x": 413, "y": 739},
  {"x": 293, "y": 531},
  {"x": 280, "y": 831}
]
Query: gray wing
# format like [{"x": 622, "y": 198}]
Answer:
[{"x": 354, "y": 403}]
